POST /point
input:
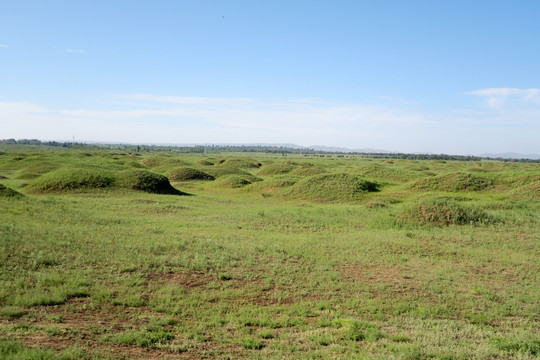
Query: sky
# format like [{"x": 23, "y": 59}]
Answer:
[{"x": 454, "y": 77}]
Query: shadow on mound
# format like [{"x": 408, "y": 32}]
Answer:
[
  {"x": 147, "y": 181},
  {"x": 332, "y": 187},
  {"x": 6, "y": 192}
]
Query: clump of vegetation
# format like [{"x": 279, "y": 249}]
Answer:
[
  {"x": 39, "y": 168},
  {"x": 6, "y": 192},
  {"x": 189, "y": 174},
  {"x": 332, "y": 187},
  {"x": 454, "y": 182},
  {"x": 67, "y": 179},
  {"x": 147, "y": 181},
  {"x": 445, "y": 212},
  {"x": 275, "y": 169}
]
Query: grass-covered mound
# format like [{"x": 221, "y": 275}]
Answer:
[
  {"x": 189, "y": 174},
  {"x": 163, "y": 160},
  {"x": 275, "y": 169},
  {"x": 27, "y": 176},
  {"x": 205, "y": 162},
  {"x": 224, "y": 171},
  {"x": 146, "y": 181},
  {"x": 6, "y": 192},
  {"x": 308, "y": 170},
  {"x": 68, "y": 179},
  {"x": 274, "y": 184},
  {"x": 241, "y": 163},
  {"x": 332, "y": 187},
  {"x": 454, "y": 182},
  {"x": 445, "y": 212},
  {"x": 234, "y": 181},
  {"x": 39, "y": 168},
  {"x": 387, "y": 172},
  {"x": 527, "y": 192}
]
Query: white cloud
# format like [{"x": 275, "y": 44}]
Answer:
[
  {"x": 496, "y": 97},
  {"x": 147, "y": 118},
  {"x": 75, "y": 51},
  {"x": 3, "y": 46}
]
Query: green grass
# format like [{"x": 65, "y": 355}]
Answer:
[{"x": 289, "y": 266}]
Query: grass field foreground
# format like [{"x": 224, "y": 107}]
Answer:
[{"x": 110, "y": 255}]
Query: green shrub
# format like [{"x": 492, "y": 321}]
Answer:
[
  {"x": 147, "y": 181},
  {"x": 67, "y": 179},
  {"x": 251, "y": 343},
  {"x": 188, "y": 174}
]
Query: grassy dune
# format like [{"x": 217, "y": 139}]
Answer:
[{"x": 323, "y": 258}]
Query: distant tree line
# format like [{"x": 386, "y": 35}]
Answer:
[{"x": 218, "y": 149}]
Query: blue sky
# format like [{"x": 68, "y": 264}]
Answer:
[{"x": 458, "y": 77}]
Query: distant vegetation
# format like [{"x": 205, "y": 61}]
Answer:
[{"x": 218, "y": 149}]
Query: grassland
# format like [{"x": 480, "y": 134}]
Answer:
[{"x": 109, "y": 255}]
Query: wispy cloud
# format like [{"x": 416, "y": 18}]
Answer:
[
  {"x": 145, "y": 118},
  {"x": 496, "y": 97},
  {"x": 75, "y": 51},
  {"x": 3, "y": 46}
]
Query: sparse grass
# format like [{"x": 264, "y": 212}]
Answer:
[{"x": 290, "y": 266}]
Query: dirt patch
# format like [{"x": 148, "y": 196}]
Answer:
[
  {"x": 397, "y": 281},
  {"x": 192, "y": 279},
  {"x": 59, "y": 343}
]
